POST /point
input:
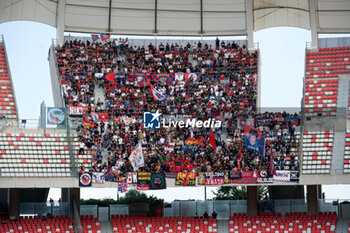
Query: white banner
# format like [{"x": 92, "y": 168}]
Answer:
[
  {"x": 283, "y": 176},
  {"x": 98, "y": 178}
]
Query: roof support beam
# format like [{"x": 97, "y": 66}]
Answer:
[
  {"x": 249, "y": 23},
  {"x": 60, "y": 19},
  {"x": 155, "y": 16},
  {"x": 313, "y": 23},
  {"x": 109, "y": 16},
  {"x": 201, "y": 5}
]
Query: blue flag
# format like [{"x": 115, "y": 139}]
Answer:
[{"x": 95, "y": 37}]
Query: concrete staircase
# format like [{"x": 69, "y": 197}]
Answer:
[
  {"x": 106, "y": 227},
  {"x": 223, "y": 226},
  {"x": 343, "y": 97},
  {"x": 100, "y": 94},
  {"x": 342, "y": 225},
  {"x": 337, "y": 164},
  {"x": 190, "y": 60}
]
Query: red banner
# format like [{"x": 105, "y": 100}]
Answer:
[
  {"x": 248, "y": 177},
  {"x": 88, "y": 124},
  {"x": 116, "y": 119},
  {"x": 103, "y": 116},
  {"x": 142, "y": 187}
]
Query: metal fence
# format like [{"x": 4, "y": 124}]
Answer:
[{"x": 44, "y": 208}]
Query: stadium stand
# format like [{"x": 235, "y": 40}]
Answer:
[
  {"x": 36, "y": 224},
  {"x": 325, "y": 222},
  {"x": 138, "y": 223},
  {"x": 317, "y": 152},
  {"x": 7, "y": 100},
  {"x": 37, "y": 155},
  {"x": 323, "y": 68},
  {"x": 225, "y": 89}
]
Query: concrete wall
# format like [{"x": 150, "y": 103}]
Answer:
[
  {"x": 333, "y": 42},
  {"x": 286, "y": 192},
  {"x": 146, "y": 42},
  {"x": 55, "y": 79}
]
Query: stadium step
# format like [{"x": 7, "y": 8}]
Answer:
[
  {"x": 342, "y": 98},
  {"x": 100, "y": 94},
  {"x": 223, "y": 226},
  {"x": 342, "y": 225},
  {"x": 337, "y": 164},
  {"x": 106, "y": 227}
]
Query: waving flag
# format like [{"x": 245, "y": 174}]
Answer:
[
  {"x": 136, "y": 157},
  {"x": 95, "y": 37},
  {"x": 272, "y": 165},
  {"x": 88, "y": 124},
  {"x": 212, "y": 141},
  {"x": 157, "y": 95},
  {"x": 110, "y": 76},
  {"x": 105, "y": 36},
  {"x": 169, "y": 81},
  {"x": 240, "y": 157},
  {"x": 123, "y": 186}
]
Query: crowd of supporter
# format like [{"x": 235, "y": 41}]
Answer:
[{"x": 224, "y": 88}]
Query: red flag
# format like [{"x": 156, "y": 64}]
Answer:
[
  {"x": 240, "y": 157},
  {"x": 88, "y": 124},
  {"x": 110, "y": 76},
  {"x": 272, "y": 165},
  {"x": 105, "y": 36},
  {"x": 212, "y": 141}
]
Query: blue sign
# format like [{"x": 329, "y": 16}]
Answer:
[
  {"x": 56, "y": 116},
  {"x": 85, "y": 179},
  {"x": 151, "y": 120}
]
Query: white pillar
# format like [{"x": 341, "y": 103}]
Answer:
[
  {"x": 60, "y": 18},
  {"x": 313, "y": 24},
  {"x": 249, "y": 21}
]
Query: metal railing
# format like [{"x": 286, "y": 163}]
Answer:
[
  {"x": 44, "y": 208},
  {"x": 256, "y": 46},
  {"x": 78, "y": 228},
  {"x": 54, "y": 42},
  {"x": 28, "y": 123},
  {"x": 308, "y": 45}
]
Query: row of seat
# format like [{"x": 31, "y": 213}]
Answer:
[
  {"x": 343, "y": 59},
  {"x": 321, "y": 97},
  {"x": 90, "y": 224},
  {"x": 323, "y": 223},
  {"x": 326, "y": 65},
  {"x": 38, "y": 155},
  {"x": 62, "y": 224},
  {"x": 317, "y": 150},
  {"x": 151, "y": 224}
]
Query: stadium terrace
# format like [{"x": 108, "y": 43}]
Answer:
[{"x": 136, "y": 110}]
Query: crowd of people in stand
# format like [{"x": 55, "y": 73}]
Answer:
[{"x": 223, "y": 88}]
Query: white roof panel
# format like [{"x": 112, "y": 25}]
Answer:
[{"x": 180, "y": 17}]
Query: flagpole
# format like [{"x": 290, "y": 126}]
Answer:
[
  {"x": 118, "y": 195},
  {"x": 205, "y": 192}
]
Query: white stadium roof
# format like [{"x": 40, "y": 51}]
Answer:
[{"x": 180, "y": 17}]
